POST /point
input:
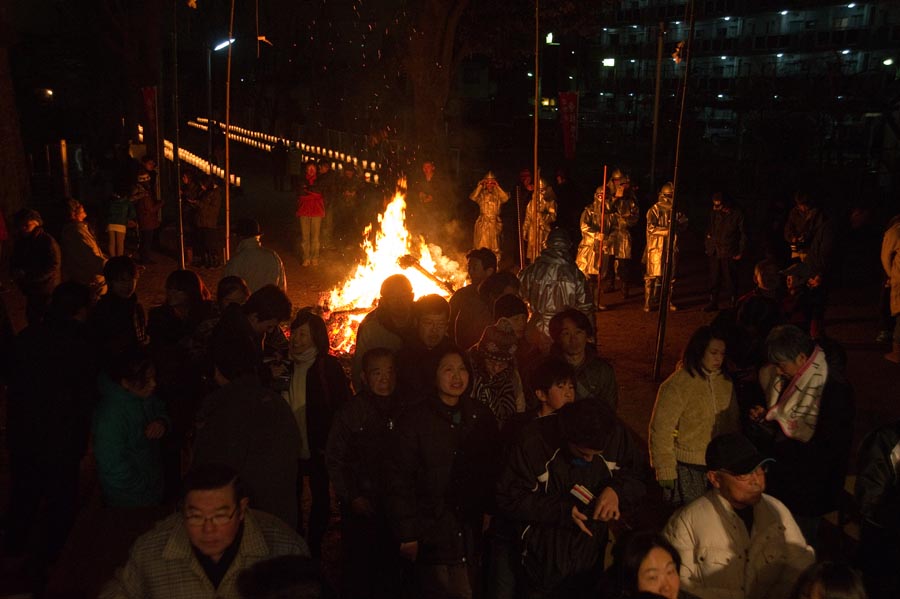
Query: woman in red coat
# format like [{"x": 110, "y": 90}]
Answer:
[{"x": 310, "y": 209}]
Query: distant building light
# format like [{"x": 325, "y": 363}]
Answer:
[
  {"x": 632, "y": 60},
  {"x": 851, "y": 5},
  {"x": 604, "y": 29},
  {"x": 775, "y": 96},
  {"x": 573, "y": 51},
  {"x": 845, "y": 52},
  {"x": 609, "y": 62},
  {"x": 677, "y": 22},
  {"x": 784, "y": 13},
  {"x": 549, "y": 38},
  {"x": 724, "y": 57},
  {"x": 887, "y": 62},
  {"x": 720, "y": 96},
  {"x": 780, "y": 55},
  {"x": 840, "y": 97},
  {"x": 571, "y": 77},
  {"x": 634, "y": 26},
  {"x": 726, "y": 18},
  {"x": 631, "y": 94},
  {"x": 530, "y": 74}
]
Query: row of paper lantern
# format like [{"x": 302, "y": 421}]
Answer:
[
  {"x": 306, "y": 148},
  {"x": 198, "y": 163}
]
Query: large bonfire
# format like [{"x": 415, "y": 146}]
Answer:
[{"x": 391, "y": 250}]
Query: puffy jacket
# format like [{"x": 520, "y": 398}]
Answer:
[
  {"x": 129, "y": 465},
  {"x": 553, "y": 283},
  {"x": 878, "y": 477},
  {"x": 720, "y": 560},
  {"x": 689, "y": 411},
  {"x": 443, "y": 469},
  {"x": 534, "y": 491},
  {"x": 82, "y": 260}
]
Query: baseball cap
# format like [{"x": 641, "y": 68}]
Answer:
[{"x": 734, "y": 453}]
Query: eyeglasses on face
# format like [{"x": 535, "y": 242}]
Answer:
[
  {"x": 758, "y": 471},
  {"x": 197, "y": 520}
]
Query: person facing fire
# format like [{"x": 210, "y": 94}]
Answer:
[
  {"x": 389, "y": 325},
  {"x": 540, "y": 214},
  {"x": 658, "y": 218},
  {"x": 489, "y": 196}
]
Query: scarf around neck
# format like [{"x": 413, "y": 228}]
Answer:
[
  {"x": 794, "y": 404},
  {"x": 296, "y": 395}
]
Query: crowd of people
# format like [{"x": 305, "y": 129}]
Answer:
[{"x": 471, "y": 444}]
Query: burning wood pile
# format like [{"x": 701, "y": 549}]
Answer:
[{"x": 390, "y": 249}]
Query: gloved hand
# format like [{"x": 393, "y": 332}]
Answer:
[{"x": 667, "y": 484}]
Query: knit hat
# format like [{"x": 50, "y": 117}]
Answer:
[{"x": 498, "y": 342}]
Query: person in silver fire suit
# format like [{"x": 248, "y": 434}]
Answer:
[
  {"x": 658, "y": 218},
  {"x": 489, "y": 196},
  {"x": 540, "y": 214},
  {"x": 553, "y": 283},
  {"x": 612, "y": 236}
]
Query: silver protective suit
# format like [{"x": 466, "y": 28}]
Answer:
[
  {"x": 488, "y": 226},
  {"x": 658, "y": 218},
  {"x": 553, "y": 283},
  {"x": 539, "y": 215},
  {"x": 619, "y": 214}
]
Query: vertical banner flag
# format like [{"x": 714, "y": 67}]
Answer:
[{"x": 568, "y": 118}]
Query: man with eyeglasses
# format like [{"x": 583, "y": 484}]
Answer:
[
  {"x": 199, "y": 552},
  {"x": 735, "y": 541}
]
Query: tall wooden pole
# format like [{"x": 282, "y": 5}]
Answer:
[
  {"x": 669, "y": 246},
  {"x": 176, "y": 160},
  {"x": 660, "y": 37},
  {"x": 227, "y": 142},
  {"x": 536, "y": 180}
]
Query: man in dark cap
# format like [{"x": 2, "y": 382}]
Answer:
[
  {"x": 258, "y": 266},
  {"x": 569, "y": 475},
  {"x": 736, "y": 541},
  {"x": 35, "y": 263}
]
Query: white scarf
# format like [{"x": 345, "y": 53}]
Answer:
[
  {"x": 794, "y": 403},
  {"x": 295, "y": 395}
]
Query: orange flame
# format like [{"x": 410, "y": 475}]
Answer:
[{"x": 359, "y": 293}]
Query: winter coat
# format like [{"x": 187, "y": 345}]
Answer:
[
  {"x": 689, "y": 411},
  {"x": 720, "y": 560},
  {"x": 208, "y": 206},
  {"x": 442, "y": 478},
  {"x": 415, "y": 368},
  {"x": 35, "y": 263},
  {"x": 372, "y": 333},
  {"x": 129, "y": 465},
  {"x": 809, "y": 477},
  {"x": 355, "y": 456},
  {"x": 551, "y": 284},
  {"x": 890, "y": 262},
  {"x": 596, "y": 379},
  {"x": 534, "y": 490},
  {"x": 163, "y": 563},
  {"x": 327, "y": 390},
  {"x": 49, "y": 417},
  {"x": 258, "y": 266},
  {"x": 82, "y": 260},
  {"x": 310, "y": 201},
  {"x": 118, "y": 324},
  {"x": 725, "y": 234},
  {"x": 878, "y": 477},
  {"x": 147, "y": 208},
  {"x": 250, "y": 428},
  {"x": 120, "y": 211}
]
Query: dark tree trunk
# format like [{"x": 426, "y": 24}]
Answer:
[{"x": 14, "y": 187}]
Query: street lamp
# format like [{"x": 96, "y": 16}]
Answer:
[{"x": 209, "y": 116}]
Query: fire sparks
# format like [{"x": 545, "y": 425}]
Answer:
[{"x": 352, "y": 300}]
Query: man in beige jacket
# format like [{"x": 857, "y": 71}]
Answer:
[
  {"x": 736, "y": 542},
  {"x": 199, "y": 552}
]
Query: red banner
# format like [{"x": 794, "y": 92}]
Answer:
[{"x": 568, "y": 118}]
